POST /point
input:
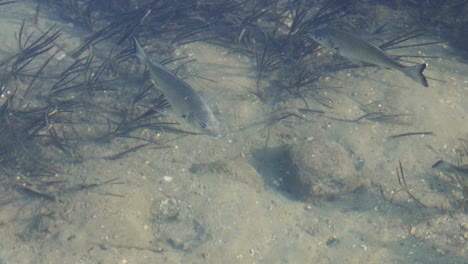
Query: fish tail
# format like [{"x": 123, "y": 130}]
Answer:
[
  {"x": 140, "y": 53},
  {"x": 416, "y": 73}
]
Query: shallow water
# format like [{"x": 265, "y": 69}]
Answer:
[{"x": 239, "y": 198}]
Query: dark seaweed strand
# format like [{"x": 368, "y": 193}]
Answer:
[
  {"x": 399, "y": 39},
  {"x": 8, "y": 2},
  {"x": 412, "y": 134},
  {"x": 36, "y": 48},
  {"x": 402, "y": 183}
]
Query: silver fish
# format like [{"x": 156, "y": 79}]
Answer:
[
  {"x": 358, "y": 50},
  {"x": 461, "y": 172},
  {"x": 181, "y": 97}
]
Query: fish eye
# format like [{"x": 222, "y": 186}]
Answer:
[
  {"x": 320, "y": 33},
  {"x": 316, "y": 36},
  {"x": 188, "y": 115}
]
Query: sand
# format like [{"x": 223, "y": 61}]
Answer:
[{"x": 223, "y": 200}]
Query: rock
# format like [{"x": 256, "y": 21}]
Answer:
[
  {"x": 321, "y": 171},
  {"x": 176, "y": 225}
]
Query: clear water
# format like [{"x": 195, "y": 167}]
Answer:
[{"x": 306, "y": 177}]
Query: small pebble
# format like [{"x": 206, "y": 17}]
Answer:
[
  {"x": 167, "y": 178},
  {"x": 60, "y": 56}
]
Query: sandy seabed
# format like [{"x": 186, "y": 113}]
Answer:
[{"x": 217, "y": 200}]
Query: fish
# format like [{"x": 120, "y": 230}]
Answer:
[
  {"x": 358, "y": 50},
  {"x": 184, "y": 101},
  {"x": 461, "y": 171}
]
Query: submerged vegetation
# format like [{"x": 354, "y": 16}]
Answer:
[
  {"x": 95, "y": 100},
  {"x": 64, "y": 105},
  {"x": 51, "y": 116}
]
